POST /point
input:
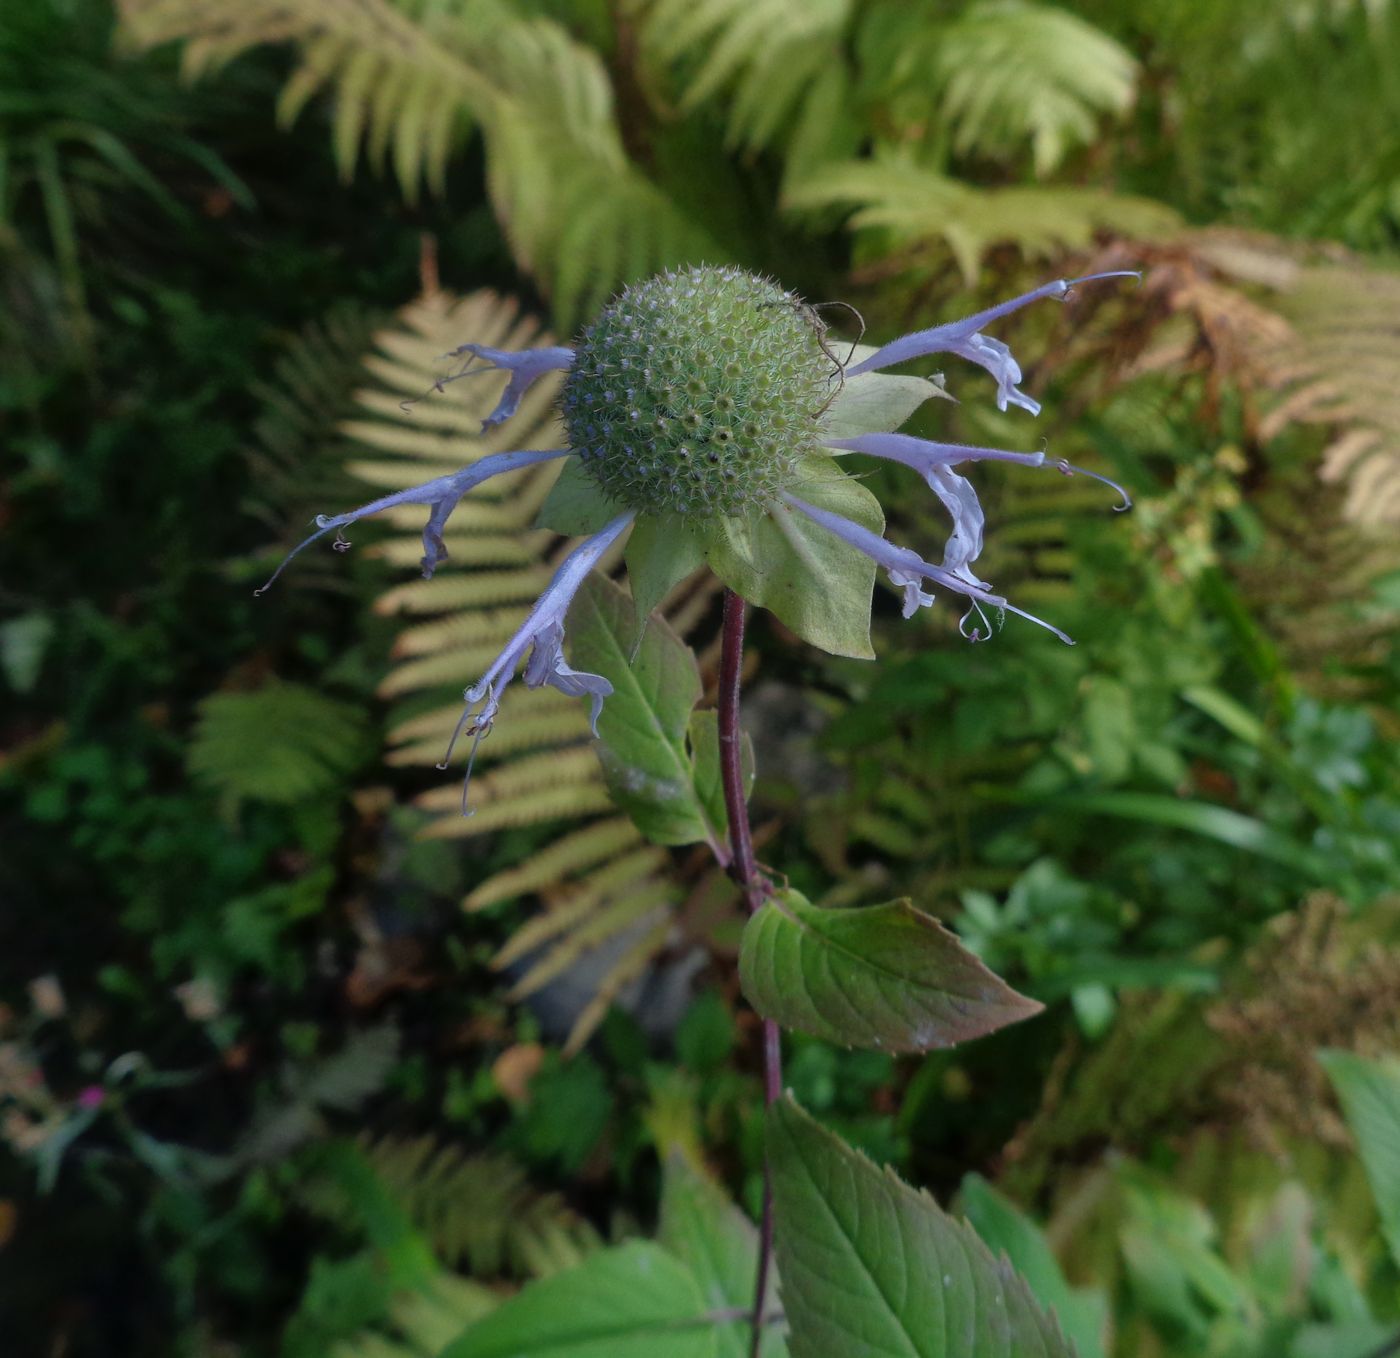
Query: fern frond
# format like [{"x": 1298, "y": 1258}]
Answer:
[
  {"x": 282, "y": 743},
  {"x": 574, "y": 905},
  {"x": 913, "y": 202},
  {"x": 518, "y": 716},
  {"x": 620, "y": 915},
  {"x": 406, "y": 85},
  {"x": 577, "y": 212},
  {"x": 1339, "y": 368},
  {"x": 471, "y": 549},
  {"x": 555, "y": 862},
  {"x": 476, "y": 1211},
  {"x": 501, "y": 813},
  {"x": 489, "y": 626},
  {"x": 632, "y": 963},
  {"x": 301, "y": 404},
  {"x": 1010, "y": 72},
  {"x": 769, "y": 53},
  {"x": 477, "y": 590}
]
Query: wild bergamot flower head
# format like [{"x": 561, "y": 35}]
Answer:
[{"x": 706, "y": 415}]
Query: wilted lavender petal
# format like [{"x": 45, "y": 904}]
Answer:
[
  {"x": 907, "y": 569},
  {"x": 963, "y": 338},
  {"x": 525, "y": 366},
  {"x": 548, "y": 666},
  {"x": 542, "y": 633},
  {"x": 442, "y": 493}
]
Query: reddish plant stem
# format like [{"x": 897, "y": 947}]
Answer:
[{"x": 744, "y": 870}]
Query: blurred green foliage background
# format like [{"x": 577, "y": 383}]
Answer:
[{"x": 250, "y": 1042}]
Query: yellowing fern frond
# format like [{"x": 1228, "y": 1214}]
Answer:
[
  {"x": 595, "y": 843},
  {"x": 1339, "y": 368},
  {"x": 408, "y": 87},
  {"x": 770, "y": 53},
  {"x": 913, "y": 202}
]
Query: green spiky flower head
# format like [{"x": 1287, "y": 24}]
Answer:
[{"x": 698, "y": 392}]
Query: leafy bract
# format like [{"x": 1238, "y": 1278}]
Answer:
[
  {"x": 635, "y": 1301},
  {"x": 779, "y": 559},
  {"x": 576, "y": 505},
  {"x": 661, "y": 552},
  {"x": 1370, "y": 1096},
  {"x": 870, "y": 1265},
  {"x": 883, "y": 976},
  {"x": 874, "y": 403},
  {"x": 649, "y": 769}
]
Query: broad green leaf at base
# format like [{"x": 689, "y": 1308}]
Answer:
[
  {"x": 872, "y": 1266},
  {"x": 885, "y": 976},
  {"x": 707, "y": 1232},
  {"x": 636, "y": 1301}
]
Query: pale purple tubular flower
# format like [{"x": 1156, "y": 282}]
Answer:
[
  {"x": 908, "y": 570},
  {"x": 935, "y": 463},
  {"x": 542, "y": 634},
  {"x": 441, "y": 493},
  {"x": 965, "y": 339},
  {"x": 525, "y": 366}
]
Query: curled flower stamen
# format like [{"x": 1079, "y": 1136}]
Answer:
[
  {"x": 965, "y": 339},
  {"x": 478, "y": 727},
  {"x": 441, "y": 494},
  {"x": 1069, "y": 469},
  {"x": 525, "y": 366}
]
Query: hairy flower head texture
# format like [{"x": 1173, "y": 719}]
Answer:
[{"x": 706, "y": 413}]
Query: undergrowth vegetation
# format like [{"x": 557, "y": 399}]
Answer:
[{"x": 295, "y": 1059}]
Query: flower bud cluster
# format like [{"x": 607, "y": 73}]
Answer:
[{"x": 696, "y": 392}]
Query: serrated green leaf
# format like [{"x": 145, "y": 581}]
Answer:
[
  {"x": 642, "y": 730},
  {"x": 1370, "y": 1095},
  {"x": 636, "y": 1301},
  {"x": 575, "y": 505},
  {"x": 704, "y": 753},
  {"x": 810, "y": 579},
  {"x": 707, "y": 1232},
  {"x": 870, "y": 1265},
  {"x": 1005, "y": 1229},
  {"x": 874, "y": 403},
  {"x": 885, "y": 976},
  {"x": 661, "y": 552}
]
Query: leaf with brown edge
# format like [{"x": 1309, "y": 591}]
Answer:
[{"x": 885, "y": 976}]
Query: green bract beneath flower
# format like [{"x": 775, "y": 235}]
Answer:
[{"x": 696, "y": 393}]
